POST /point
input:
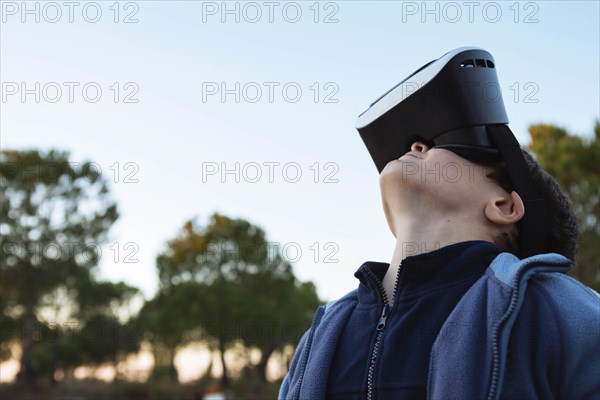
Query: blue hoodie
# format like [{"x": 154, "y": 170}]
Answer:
[{"x": 471, "y": 357}]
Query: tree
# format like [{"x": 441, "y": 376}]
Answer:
[
  {"x": 281, "y": 310},
  {"x": 163, "y": 322},
  {"x": 54, "y": 216},
  {"x": 574, "y": 161},
  {"x": 239, "y": 289},
  {"x": 106, "y": 331}
]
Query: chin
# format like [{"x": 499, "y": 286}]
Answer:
[
  {"x": 391, "y": 178},
  {"x": 396, "y": 171},
  {"x": 391, "y": 166}
]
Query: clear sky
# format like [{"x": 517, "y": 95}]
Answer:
[{"x": 167, "y": 115}]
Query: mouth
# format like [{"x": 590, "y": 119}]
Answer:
[{"x": 411, "y": 154}]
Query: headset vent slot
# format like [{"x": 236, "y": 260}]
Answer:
[{"x": 481, "y": 63}]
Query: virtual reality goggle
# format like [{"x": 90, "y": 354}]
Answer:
[{"x": 455, "y": 103}]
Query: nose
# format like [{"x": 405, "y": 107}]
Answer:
[{"x": 419, "y": 146}]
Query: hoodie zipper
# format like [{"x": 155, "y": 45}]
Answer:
[{"x": 380, "y": 328}]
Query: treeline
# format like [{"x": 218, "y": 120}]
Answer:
[
  {"x": 222, "y": 284},
  {"x": 219, "y": 284}
]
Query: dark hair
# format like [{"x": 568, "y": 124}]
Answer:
[{"x": 564, "y": 229}]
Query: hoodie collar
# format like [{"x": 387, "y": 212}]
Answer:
[{"x": 427, "y": 271}]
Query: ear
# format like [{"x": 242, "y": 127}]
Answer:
[{"x": 505, "y": 210}]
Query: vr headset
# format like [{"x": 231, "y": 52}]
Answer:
[{"x": 455, "y": 103}]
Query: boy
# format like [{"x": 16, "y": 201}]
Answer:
[{"x": 474, "y": 303}]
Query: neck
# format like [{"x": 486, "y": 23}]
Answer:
[{"x": 421, "y": 234}]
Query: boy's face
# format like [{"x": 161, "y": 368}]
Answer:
[{"x": 436, "y": 181}]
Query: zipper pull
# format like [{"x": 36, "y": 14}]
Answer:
[{"x": 383, "y": 318}]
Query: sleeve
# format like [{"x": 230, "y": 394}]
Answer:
[
  {"x": 580, "y": 341},
  {"x": 286, "y": 384}
]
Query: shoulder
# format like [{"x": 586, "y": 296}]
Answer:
[
  {"x": 573, "y": 309},
  {"x": 547, "y": 274},
  {"x": 348, "y": 300},
  {"x": 574, "y": 303},
  {"x": 566, "y": 294},
  {"x": 565, "y": 288},
  {"x": 510, "y": 270},
  {"x": 576, "y": 317},
  {"x": 556, "y": 299},
  {"x": 542, "y": 280}
]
